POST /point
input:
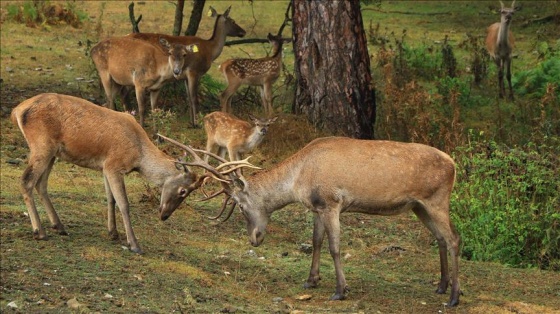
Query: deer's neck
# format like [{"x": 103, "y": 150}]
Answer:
[
  {"x": 156, "y": 166},
  {"x": 276, "y": 186},
  {"x": 217, "y": 42},
  {"x": 503, "y": 33},
  {"x": 254, "y": 139}
]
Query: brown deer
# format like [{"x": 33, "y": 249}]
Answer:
[
  {"x": 124, "y": 61},
  {"x": 334, "y": 175},
  {"x": 208, "y": 51},
  {"x": 500, "y": 43},
  {"x": 261, "y": 72},
  {"x": 226, "y": 132},
  {"x": 94, "y": 137}
]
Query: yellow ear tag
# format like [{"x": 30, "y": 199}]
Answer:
[
  {"x": 195, "y": 48},
  {"x": 210, "y": 13}
]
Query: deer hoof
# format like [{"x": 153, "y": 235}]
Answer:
[
  {"x": 136, "y": 250},
  {"x": 113, "y": 235},
  {"x": 337, "y": 297},
  {"x": 38, "y": 235},
  {"x": 60, "y": 230}
]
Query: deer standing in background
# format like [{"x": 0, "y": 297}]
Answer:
[
  {"x": 208, "y": 51},
  {"x": 334, "y": 175},
  {"x": 94, "y": 137},
  {"x": 261, "y": 72},
  {"x": 123, "y": 61},
  {"x": 225, "y": 132},
  {"x": 500, "y": 43}
]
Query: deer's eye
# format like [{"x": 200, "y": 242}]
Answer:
[{"x": 182, "y": 192}]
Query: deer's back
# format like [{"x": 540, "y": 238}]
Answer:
[
  {"x": 225, "y": 128},
  {"x": 200, "y": 61},
  {"x": 376, "y": 169},
  {"x": 79, "y": 131}
]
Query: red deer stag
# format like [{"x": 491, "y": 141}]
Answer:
[
  {"x": 123, "y": 61},
  {"x": 225, "y": 132},
  {"x": 261, "y": 72},
  {"x": 336, "y": 175},
  {"x": 94, "y": 137},
  {"x": 500, "y": 43},
  {"x": 208, "y": 51}
]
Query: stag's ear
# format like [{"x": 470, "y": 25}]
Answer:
[
  {"x": 179, "y": 164},
  {"x": 239, "y": 183},
  {"x": 272, "y": 120},
  {"x": 226, "y": 14},
  {"x": 164, "y": 43},
  {"x": 212, "y": 12},
  {"x": 253, "y": 118}
]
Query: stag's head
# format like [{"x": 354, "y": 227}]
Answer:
[
  {"x": 175, "y": 190},
  {"x": 231, "y": 28},
  {"x": 252, "y": 209},
  {"x": 177, "y": 55},
  {"x": 507, "y": 13}
]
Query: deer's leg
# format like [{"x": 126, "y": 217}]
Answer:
[
  {"x": 266, "y": 95},
  {"x": 508, "y": 76},
  {"x": 141, "y": 99},
  {"x": 436, "y": 218},
  {"x": 318, "y": 235},
  {"x": 31, "y": 175},
  {"x": 111, "y": 219},
  {"x": 124, "y": 93},
  {"x": 192, "y": 84},
  {"x": 501, "y": 78},
  {"x": 116, "y": 184},
  {"x": 41, "y": 188},
  {"x": 154, "y": 94},
  {"x": 227, "y": 94},
  {"x": 111, "y": 89},
  {"x": 330, "y": 219}
]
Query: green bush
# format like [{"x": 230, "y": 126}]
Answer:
[
  {"x": 534, "y": 82},
  {"x": 506, "y": 203}
]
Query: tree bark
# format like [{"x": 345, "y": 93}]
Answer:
[
  {"x": 196, "y": 16},
  {"x": 178, "y": 24},
  {"x": 332, "y": 67}
]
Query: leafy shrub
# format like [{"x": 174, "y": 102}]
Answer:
[
  {"x": 506, "y": 203},
  {"x": 534, "y": 82},
  {"x": 34, "y": 13},
  {"x": 449, "y": 87}
]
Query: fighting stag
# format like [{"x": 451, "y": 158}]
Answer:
[
  {"x": 335, "y": 175},
  {"x": 500, "y": 43},
  {"x": 98, "y": 138}
]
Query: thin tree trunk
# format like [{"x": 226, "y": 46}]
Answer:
[
  {"x": 196, "y": 16},
  {"x": 334, "y": 84},
  {"x": 178, "y": 18}
]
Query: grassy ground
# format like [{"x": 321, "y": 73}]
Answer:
[{"x": 191, "y": 265}]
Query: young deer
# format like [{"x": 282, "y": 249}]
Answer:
[
  {"x": 261, "y": 72},
  {"x": 225, "y": 131},
  {"x": 208, "y": 51},
  {"x": 336, "y": 175},
  {"x": 124, "y": 61},
  {"x": 500, "y": 43},
  {"x": 94, "y": 137}
]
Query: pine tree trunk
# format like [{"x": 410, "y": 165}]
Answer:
[
  {"x": 196, "y": 16},
  {"x": 332, "y": 67},
  {"x": 178, "y": 24}
]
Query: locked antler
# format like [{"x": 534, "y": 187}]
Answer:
[{"x": 219, "y": 173}]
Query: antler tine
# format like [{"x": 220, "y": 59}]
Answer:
[
  {"x": 223, "y": 208},
  {"x": 238, "y": 164},
  {"x": 198, "y": 161},
  {"x": 218, "y": 158},
  {"x": 213, "y": 195}
]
